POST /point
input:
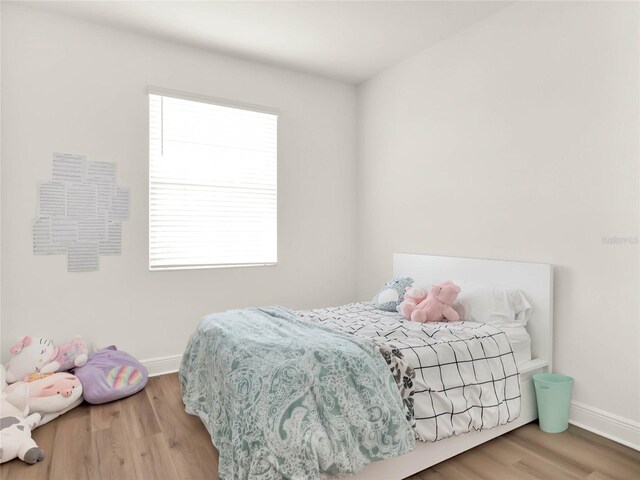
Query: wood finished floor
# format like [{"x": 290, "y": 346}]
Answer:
[{"x": 149, "y": 436}]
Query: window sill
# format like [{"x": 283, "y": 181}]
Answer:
[{"x": 200, "y": 267}]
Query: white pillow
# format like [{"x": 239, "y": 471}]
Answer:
[{"x": 493, "y": 304}]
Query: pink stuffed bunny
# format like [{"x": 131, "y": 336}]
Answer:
[
  {"x": 437, "y": 307},
  {"x": 412, "y": 297}
]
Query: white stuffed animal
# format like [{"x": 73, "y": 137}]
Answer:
[
  {"x": 16, "y": 426},
  {"x": 51, "y": 395},
  {"x": 36, "y": 355},
  {"x": 16, "y": 441},
  {"x": 31, "y": 355}
]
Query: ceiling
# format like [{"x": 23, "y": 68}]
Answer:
[{"x": 346, "y": 40}]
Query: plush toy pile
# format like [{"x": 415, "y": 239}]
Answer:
[
  {"x": 38, "y": 387},
  {"x": 35, "y": 391}
]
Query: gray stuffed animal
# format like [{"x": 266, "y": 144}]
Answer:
[{"x": 392, "y": 293}]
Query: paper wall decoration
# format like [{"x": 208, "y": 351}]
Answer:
[{"x": 80, "y": 212}]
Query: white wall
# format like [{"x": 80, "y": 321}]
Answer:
[
  {"x": 517, "y": 139},
  {"x": 75, "y": 87}
]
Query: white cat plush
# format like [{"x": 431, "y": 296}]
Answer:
[
  {"x": 31, "y": 355},
  {"x": 35, "y": 355}
]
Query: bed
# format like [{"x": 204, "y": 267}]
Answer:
[
  {"x": 506, "y": 360},
  {"x": 536, "y": 281}
]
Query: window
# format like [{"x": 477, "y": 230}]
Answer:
[{"x": 212, "y": 183}]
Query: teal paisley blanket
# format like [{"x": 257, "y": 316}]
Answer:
[{"x": 286, "y": 398}]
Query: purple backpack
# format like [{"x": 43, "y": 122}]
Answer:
[{"x": 110, "y": 374}]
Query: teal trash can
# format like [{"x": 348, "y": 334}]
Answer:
[{"x": 553, "y": 394}]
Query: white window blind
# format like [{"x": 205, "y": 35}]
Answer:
[{"x": 212, "y": 184}]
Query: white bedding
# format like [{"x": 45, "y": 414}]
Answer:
[
  {"x": 520, "y": 342},
  {"x": 466, "y": 373}
]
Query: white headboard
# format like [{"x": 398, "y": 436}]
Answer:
[{"x": 534, "y": 279}]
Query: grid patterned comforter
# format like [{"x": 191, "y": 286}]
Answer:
[{"x": 466, "y": 375}]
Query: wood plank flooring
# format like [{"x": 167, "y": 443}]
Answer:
[{"x": 149, "y": 436}]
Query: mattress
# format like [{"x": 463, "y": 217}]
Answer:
[{"x": 520, "y": 342}]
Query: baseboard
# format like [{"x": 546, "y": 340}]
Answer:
[
  {"x": 609, "y": 425},
  {"x": 161, "y": 365}
]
